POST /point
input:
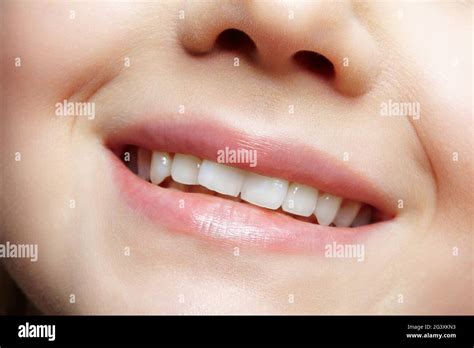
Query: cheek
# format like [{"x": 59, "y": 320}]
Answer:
[
  {"x": 54, "y": 49},
  {"x": 57, "y": 48},
  {"x": 437, "y": 74}
]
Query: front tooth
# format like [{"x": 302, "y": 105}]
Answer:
[
  {"x": 326, "y": 208},
  {"x": 347, "y": 213},
  {"x": 143, "y": 162},
  {"x": 160, "y": 167},
  {"x": 264, "y": 191},
  {"x": 221, "y": 178},
  {"x": 185, "y": 169},
  {"x": 300, "y": 200},
  {"x": 363, "y": 217}
]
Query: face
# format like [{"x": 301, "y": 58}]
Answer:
[{"x": 239, "y": 157}]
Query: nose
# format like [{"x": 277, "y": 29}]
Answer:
[{"x": 323, "y": 37}]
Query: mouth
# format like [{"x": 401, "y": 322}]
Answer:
[{"x": 242, "y": 189}]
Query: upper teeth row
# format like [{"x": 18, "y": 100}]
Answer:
[{"x": 267, "y": 192}]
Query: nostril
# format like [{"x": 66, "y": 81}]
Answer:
[
  {"x": 235, "y": 40},
  {"x": 315, "y": 63}
]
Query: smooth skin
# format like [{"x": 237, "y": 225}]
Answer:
[{"x": 60, "y": 194}]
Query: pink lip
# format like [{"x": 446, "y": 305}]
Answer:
[{"x": 234, "y": 223}]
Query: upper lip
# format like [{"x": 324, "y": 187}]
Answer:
[{"x": 281, "y": 158}]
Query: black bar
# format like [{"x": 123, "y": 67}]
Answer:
[{"x": 288, "y": 330}]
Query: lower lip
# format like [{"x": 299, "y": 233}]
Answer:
[{"x": 228, "y": 223}]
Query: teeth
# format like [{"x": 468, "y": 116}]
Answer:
[
  {"x": 363, "y": 217},
  {"x": 264, "y": 191},
  {"x": 160, "y": 167},
  {"x": 347, "y": 213},
  {"x": 144, "y": 157},
  {"x": 185, "y": 169},
  {"x": 326, "y": 208},
  {"x": 191, "y": 174},
  {"x": 300, "y": 200},
  {"x": 221, "y": 178}
]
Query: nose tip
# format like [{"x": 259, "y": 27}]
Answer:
[{"x": 327, "y": 36}]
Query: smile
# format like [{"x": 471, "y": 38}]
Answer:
[
  {"x": 263, "y": 191},
  {"x": 294, "y": 199}
]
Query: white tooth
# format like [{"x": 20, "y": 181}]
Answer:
[
  {"x": 264, "y": 191},
  {"x": 326, "y": 208},
  {"x": 347, "y": 213},
  {"x": 300, "y": 200},
  {"x": 185, "y": 169},
  {"x": 143, "y": 162},
  {"x": 221, "y": 178},
  {"x": 160, "y": 167},
  {"x": 363, "y": 217}
]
